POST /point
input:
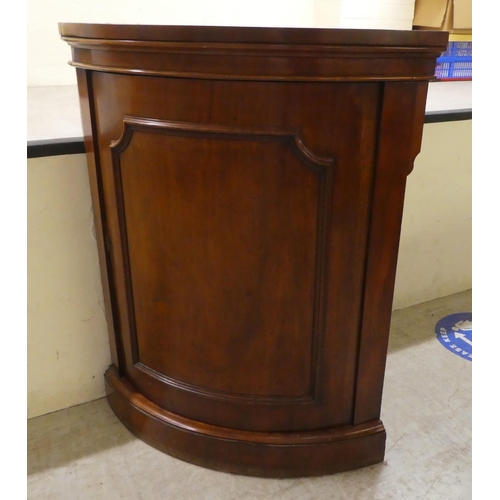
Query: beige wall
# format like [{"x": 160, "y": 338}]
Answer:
[
  {"x": 435, "y": 257},
  {"x": 68, "y": 348}
]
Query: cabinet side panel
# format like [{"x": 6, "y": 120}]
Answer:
[
  {"x": 401, "y": 124},
  {"x": 87, "y": 111}
]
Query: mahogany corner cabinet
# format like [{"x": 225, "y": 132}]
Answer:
[{"x": 248, "y": 188}]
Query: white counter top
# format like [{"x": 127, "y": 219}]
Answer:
[
  {"x": 449, "y": 96},
  {"x": 53, "y": 113}
]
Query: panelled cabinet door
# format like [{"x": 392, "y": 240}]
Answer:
[{"x": 249, "y": 221}]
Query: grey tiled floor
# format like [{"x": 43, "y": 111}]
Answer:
[{"x": 85, "y": 453}]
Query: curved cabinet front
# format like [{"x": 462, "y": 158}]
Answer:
[{"x": 248, "y": 232}]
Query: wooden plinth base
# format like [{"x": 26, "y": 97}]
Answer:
[{"x": 273, "y": 454}]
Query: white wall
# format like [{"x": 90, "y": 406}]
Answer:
[
  {"x": 68, "y": 347},
  {"x": 377, "y": 14},
  {"x": 48, "y": 54}
]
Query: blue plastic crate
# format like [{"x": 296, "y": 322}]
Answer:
[{"x": 456, "y": 62}]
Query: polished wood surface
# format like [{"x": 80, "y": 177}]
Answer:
[{"x": 248, "y": 186}]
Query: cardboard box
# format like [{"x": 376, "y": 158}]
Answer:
[{"x": 454, "y": 16}]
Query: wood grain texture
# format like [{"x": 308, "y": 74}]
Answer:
[
  {"x": 213, "y": 193},
  {"x": 287, "y": 54},
  {"x": 225, "y": 242},
  {"x": 399, "y": 139},
  {"x": 249, "y": 185},
  {"x": 100, "y": 221},
  {"x": 248, "y": 453}
]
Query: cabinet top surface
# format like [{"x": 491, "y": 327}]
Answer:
[
  {"x": 241, "y": 53},
  {"x": 227, "y": 34}
]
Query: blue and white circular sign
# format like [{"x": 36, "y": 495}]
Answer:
[{"x": 455, "y": 333}]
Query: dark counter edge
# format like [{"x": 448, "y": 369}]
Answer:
[
  {"x": 75, "y": 145},
  {"x": 55, "y": 147}
]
